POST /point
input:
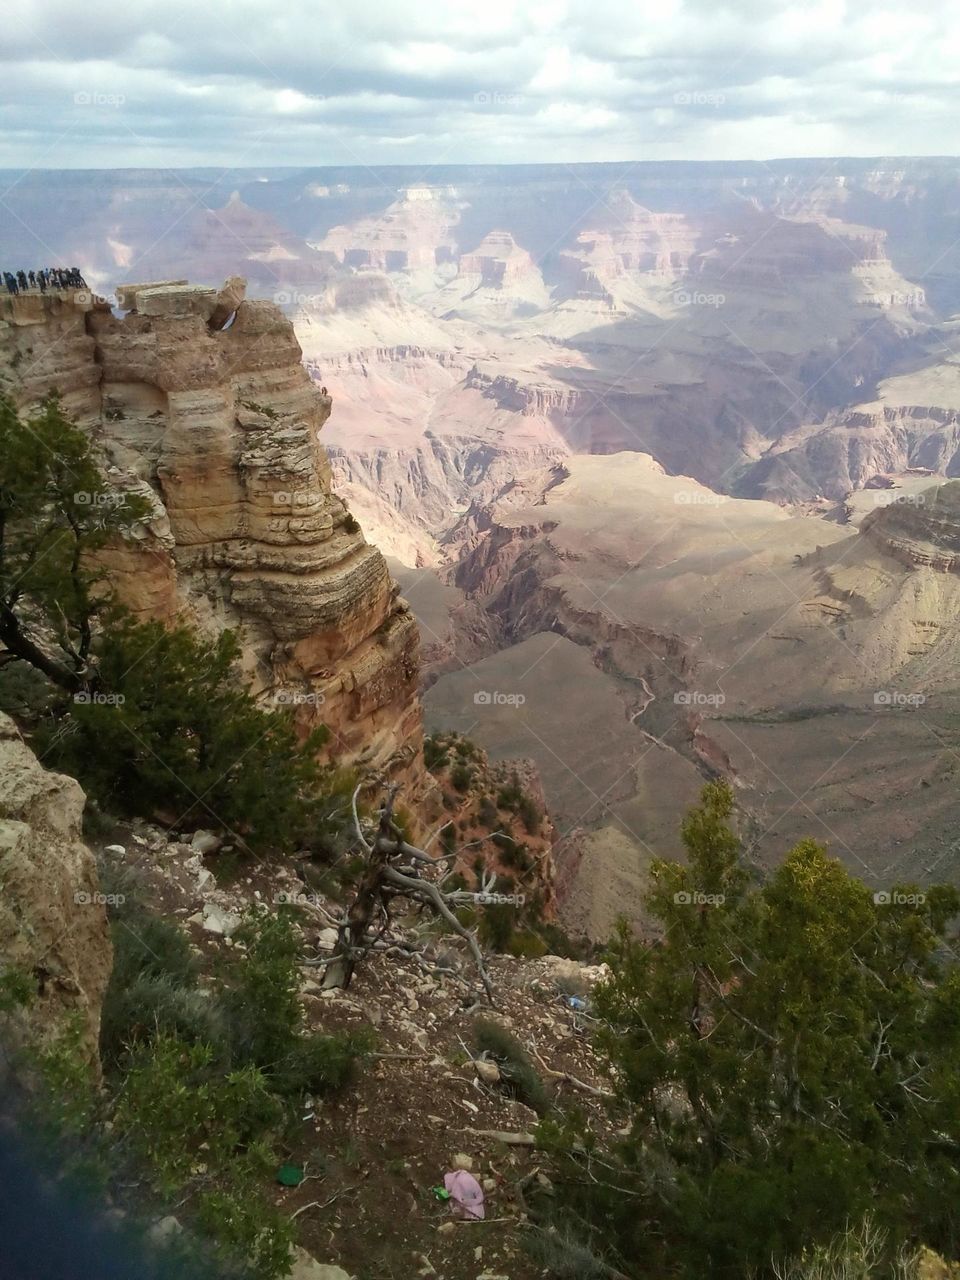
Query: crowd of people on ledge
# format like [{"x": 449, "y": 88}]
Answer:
[{"x": 44, "y": 279}]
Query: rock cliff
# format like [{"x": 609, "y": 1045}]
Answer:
[
  {"x": 199, "y": 399},
  {"x": 53, "y": 922}
]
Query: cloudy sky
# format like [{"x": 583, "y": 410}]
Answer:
[{"x": 111, "y": 83}]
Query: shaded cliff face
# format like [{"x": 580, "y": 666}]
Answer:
[
  {"x": 221, "y": 426},
  {"x": 53, "y": 920}
]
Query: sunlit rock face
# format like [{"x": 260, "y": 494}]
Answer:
[{"x": 200, "y": 401}]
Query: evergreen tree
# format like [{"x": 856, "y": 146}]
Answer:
[
  {"x": 55, "y": 510},
  {"x": 790, "y": 1054}
]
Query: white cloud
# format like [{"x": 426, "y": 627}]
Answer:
[{"x": 475, "y": 80}]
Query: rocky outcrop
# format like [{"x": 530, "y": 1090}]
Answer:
[
  {"x": 850, "y": 448},
  {"x": 53, "y": 924},
  {"x": 221, "y": 426},
  {"x": 923, "y": 529},
  {"x": 498, "y": 260}
]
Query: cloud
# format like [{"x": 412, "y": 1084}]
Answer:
[{"x": 247, "y": 82}]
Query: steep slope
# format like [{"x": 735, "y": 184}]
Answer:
[
  {"x": 221, "y": 426},
  {"x": 688, "y": 634}
]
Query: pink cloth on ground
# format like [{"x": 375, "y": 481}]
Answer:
[{"x": 465, "y": 1192}]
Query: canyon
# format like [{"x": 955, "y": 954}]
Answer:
[{"x": 654, "y": 454}]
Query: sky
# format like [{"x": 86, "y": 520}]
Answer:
[{"x": 117, "y": 83}]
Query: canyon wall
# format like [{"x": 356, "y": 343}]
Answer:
[{"x": 200, "y": 401}]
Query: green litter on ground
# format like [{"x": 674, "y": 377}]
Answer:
[{"x": 289, "y": 1175}]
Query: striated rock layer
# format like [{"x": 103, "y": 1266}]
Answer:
[{"x": 201, "y": 401}]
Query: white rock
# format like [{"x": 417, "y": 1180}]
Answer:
[
  {"x": 445, "y": 1228},
  {"x": 114, "y": 848},
  {"x": 205, "y": 842},
  {"x": 306, "y": 1267},
  {"x": 216, "y": 920},
  {"x": 462, "y": 1161},
  {"x": 165, "y": 1229},
  {"x": 327, "y": 939},
  {"x": 488, "y": 1072}
]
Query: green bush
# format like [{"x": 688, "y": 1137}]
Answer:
[
  {"x": 262, "y": 997},
  {"x": 487, "y": 813},
  {"x": 178, "y": 1111},
  {"x": 530, "y": 815},
  {"x": 461, "y": 776},
  {"x": 514, "y": 1063},
  {"x": 178, "y": 735},
  {"x": 322, "y": 1063},
  {"x": 149, "y": 1006},
  {"x": 435, "y": 755}
]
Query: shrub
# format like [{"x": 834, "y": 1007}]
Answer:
[
  {"x": 262, "y": 999},
  {"x": 526, "y": 943},
  {"x": 149, "y": 1006},
  {"x": 514, "y": 1063},
  {"x": 497, "y": 922},
  {"x": 530, "y": 815},
  {"x": 435, "y": 755},
  {"x": 487, "y": 813},
  {"x": 461, "y": 776},
  {"x": 565, "y": 1256},
  {"x": 178, "y": 1111},
  {"x": 181, "y": 737},
  {"x": 323, "y": 1063}
]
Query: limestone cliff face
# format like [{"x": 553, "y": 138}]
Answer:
[
  {"x": 201, "y": 401},
  {"x": 921, "y": 532},
  {"x": 53, "y": 923}
]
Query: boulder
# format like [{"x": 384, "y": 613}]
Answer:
[
  {"x": 53, "y": 921},
  {"x": 205, "y": 842},
  {"x": 216, "y": 920},
  {"x": 488, "y": 1072},
  {"x": 306, "y": 1267},
  {"x": 228, "y": 299}
]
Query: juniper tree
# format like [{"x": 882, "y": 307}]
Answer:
[
  {"x": 56, "y": 509},
  {"x": 790, "y": 1055}
]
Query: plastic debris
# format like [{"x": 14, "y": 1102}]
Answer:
[
  {"x": 466, "y": 1193},
  {"x": 575, "y": 1002},
  {"x": 289, "y": 1175}
]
